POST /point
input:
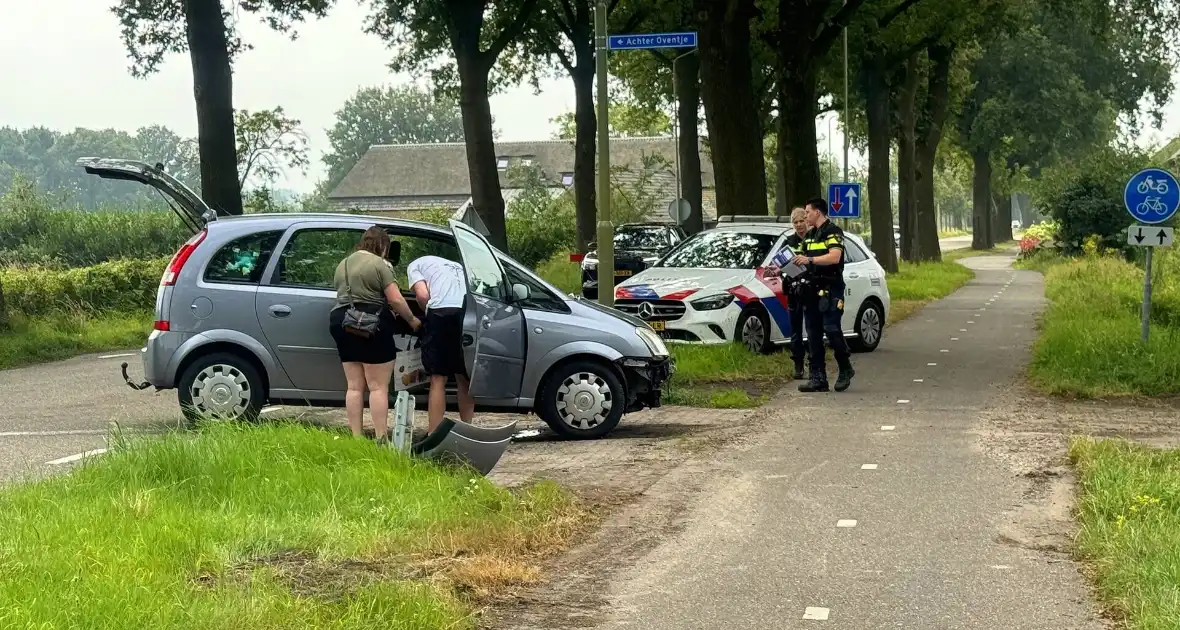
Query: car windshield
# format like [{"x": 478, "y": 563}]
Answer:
[
  {"x": 641, "y": 238},
  {"x": 722, "y": 250}
]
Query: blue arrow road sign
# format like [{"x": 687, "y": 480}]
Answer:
[
  {"x": 843, "y": 200},
  {"x": 1152, "y": 195},
  {"x": 652, "y": 40}
]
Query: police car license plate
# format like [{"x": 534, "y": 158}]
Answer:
[
  {"x": 623, "y": 273},
  {"x": 657, "y": 326}
]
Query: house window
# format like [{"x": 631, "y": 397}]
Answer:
[
  {"x": 567, "y": 179},
  {"x": 502, "y": 162}
]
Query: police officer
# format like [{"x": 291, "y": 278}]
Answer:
[
  {"x": 823, "y": 253},
  {"x": 793, "y": 246}
]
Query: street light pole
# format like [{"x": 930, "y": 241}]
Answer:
[{"x": 606, "y": 230}]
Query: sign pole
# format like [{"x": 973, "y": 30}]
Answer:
[
  {"x": 1151, "y": 196},
  {"x": 1145, "y": 315},
  {"x": 606, "y": 231},
  {"x": 676, "y": 126}
]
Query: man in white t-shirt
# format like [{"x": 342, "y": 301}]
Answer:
[{"x": 441, "y": 290}]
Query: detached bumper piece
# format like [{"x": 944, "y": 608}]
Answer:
[
  {"x": 453, "y": 440},
  {"x": 645, "y": 380}
]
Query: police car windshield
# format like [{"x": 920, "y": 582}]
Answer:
[
  {"x": 721, "y": 250},
  {"x": 641, "y": 238}
]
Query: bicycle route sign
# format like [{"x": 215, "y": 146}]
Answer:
[{"x": 1152, "y": 195}]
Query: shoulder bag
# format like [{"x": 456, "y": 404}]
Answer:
[{"x": 358, "y": 321}]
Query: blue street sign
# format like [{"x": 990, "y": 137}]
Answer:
[
  {"x": 1152, "y": 195},
  {"x": 652, "y": 40},
  {"x": 843, "y": 200}
]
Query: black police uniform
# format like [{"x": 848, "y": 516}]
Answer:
[
  {"x": 794, "y": 243},
  {"x": 824, "y": 307}
]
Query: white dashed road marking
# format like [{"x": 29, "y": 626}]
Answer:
[
  {"x": 53, "y": 433},
  {"x": 903, "y": 401},
  {"x": 815, "y": 612},
  {"x": 846, "y": 522},
  {"x": 74, "y": 458},
  {"x": 888, "y": 427},
  {"x": 944, "y": 350},
  {"x": 931, "y": 364},
  {"x": 868, "y": 467},
  {"x": 777, "y": 476},
  {"x": 954, "y": 338},
  {"x": 917, "y": 380}
]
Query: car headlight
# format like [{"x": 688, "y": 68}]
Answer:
[
  {"x": 652, "y": 340},
  {"x": 712, "y": 303},
  {"x": 589, "y": 261}
]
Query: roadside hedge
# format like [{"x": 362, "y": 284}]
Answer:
[{"x": 121, "y": 286}]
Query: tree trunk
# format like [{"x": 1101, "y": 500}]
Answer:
[
  {"x": 731, "y": 107},
  {"x": 880, "y": 200},
  {"x": 981, "y": 200},
  {"x": 1003, "y": 225},
  {"x": 797, "y": 142},
  {"x": 687, "y": 73},
  {"x": 932, "y": 118},
  {"x": 781, "y": 207},
  {"x": 907, "y": 123},
  {"x": 481, "y": 147},
  {"x": 213, "y": 93},
  {"x": 585, "y": 136}
]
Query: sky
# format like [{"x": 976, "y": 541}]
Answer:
[{"x": 66, "y": 67}]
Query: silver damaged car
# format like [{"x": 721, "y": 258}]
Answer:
[{"x": 242, "y": 310}]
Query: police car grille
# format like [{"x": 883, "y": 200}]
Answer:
[{"x": 665, "y": 310}]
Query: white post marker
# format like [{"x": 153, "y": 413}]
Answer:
[
  {"x": 816, "y": 613},
  {"x": 1151, "y": 197}
]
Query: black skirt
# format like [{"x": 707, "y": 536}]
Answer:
[{"x": 377, "y": 348}]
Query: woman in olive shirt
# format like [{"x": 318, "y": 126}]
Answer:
[{"x": 365, "y": 278}]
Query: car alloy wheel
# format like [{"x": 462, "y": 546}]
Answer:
[
  {"x": 870, "y": 326},
  {"x": 584, "y": 400},
  {"x": 753, "y": 330}
]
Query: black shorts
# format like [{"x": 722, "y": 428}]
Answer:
[
  {"x": 379, "y": 348},
  {"x": 442, "y": 342}
]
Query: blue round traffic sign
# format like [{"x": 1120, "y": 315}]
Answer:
[{"x": 1152, "y": 195}]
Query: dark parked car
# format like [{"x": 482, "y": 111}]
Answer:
[{"x": 637, "y": 247}]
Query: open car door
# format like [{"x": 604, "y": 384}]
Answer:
[
  {"x": 493, "y": 327},
  {"x": 189, "y": 206}
]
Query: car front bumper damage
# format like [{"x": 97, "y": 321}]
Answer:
[{"x": 645, "y": 378}]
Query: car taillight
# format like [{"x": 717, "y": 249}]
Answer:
[
  {"x": 162, "y": 325},
  {"x": 181, "y": 257}
]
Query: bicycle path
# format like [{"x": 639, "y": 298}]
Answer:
[{"x": 875, "y": 508}]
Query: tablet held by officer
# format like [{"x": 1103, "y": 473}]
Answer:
[{"x": 823, "y": 300}]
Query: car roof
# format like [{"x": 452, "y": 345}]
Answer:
[
  {"x": 287, "y": 218},
  {"x": 772, "y": 229}
]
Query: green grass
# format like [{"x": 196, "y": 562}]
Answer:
[
  {"x": 1089, "y": 343},
  {"x": 273, "y": 526},
  {"x": 561, "y": 273},
  {"x": 1129, "y": 513},
  {"x": 63, "y": 335}
]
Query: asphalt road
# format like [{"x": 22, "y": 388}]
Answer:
[{"x": 877, "y": 507}]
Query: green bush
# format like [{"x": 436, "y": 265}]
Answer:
[
  {"x": 1085, "y": 198},
  {"x": 34, "y": 231},
  {"x": 122, "y": 286}
]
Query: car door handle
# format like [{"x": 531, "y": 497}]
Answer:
[
  {"x": 854, "y": 275},
  {"x": 468, "y": 340},
  {"x": 280, "y": 310}
]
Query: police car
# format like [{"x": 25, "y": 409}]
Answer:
[{"x": 713, "y": 288}]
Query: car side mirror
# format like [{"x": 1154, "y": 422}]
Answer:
[
  {"x": 521, "y": 292},
  {"x": 873, "y": 254}
]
